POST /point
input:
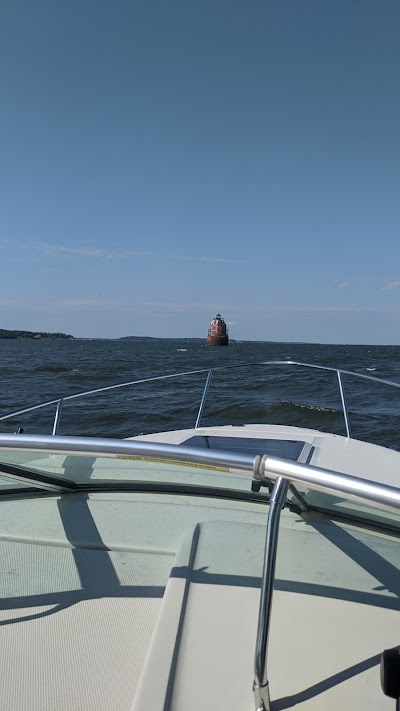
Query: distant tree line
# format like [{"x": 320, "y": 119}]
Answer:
[{"x": 5, "y": 333}]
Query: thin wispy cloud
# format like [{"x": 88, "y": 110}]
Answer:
[
  {"x": 110, "y": 255},
  {"x": 327, "y": 309},
  {"x": 206, "y": 259},
  {"x": 87, "y": 304},
  {"x": 168, "y": 307},
  {"x": 343, "y": 285},
  {"x": 245, "y": 311},
  {"x": 57, "y": 249},
  {"x": 391, "y": 285}
]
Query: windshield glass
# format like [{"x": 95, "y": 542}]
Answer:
[
  {"x": 22, "y": 470},
  {"x": 339, "y": 506},
  {"x": 85, "y": 470}
]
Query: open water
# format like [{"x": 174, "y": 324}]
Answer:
[{"x": 32, "y": 371}]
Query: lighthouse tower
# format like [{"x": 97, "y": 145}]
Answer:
[{"x": 217, "y": 333}]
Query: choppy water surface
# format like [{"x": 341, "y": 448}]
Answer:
[{"x": 32, "y": 371}]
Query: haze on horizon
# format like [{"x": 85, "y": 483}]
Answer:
[{"x": 165, "y": 161}]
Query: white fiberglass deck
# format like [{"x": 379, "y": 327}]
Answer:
[
  {"x": 143, "y": 601},
  {"x": 77, "y": 619}
]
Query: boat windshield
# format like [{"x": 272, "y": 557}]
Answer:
[
  {"x": 23, "y": 471},
  {"x": 346, "y": 509},
  {"x": 74, "y": 471}
]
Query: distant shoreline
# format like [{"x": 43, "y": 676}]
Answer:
[
  {"x": 7, "y": 334},
  {"x": 10, "y": 334}
]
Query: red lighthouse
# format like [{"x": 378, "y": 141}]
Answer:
[{"x": 217, "y": 333}]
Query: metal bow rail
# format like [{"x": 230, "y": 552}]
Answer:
[{"x": 339, "y": 372}]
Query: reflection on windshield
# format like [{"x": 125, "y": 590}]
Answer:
[
  {"x": 73, "y": 471},
  {"x": 89, "y": 470}
]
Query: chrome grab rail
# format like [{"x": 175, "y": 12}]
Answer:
[
  {"x": 261, "y": 684},
  {"x": 58, "y": 401},
  {"x": 286, "y": 472},
  {"x": 104, "y": 447}
]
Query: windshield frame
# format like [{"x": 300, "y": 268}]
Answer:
[{"x": 261, "y": 471}]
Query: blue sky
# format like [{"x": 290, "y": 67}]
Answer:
[{"x": 161, "y": 161}]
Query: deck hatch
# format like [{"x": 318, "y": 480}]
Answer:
[{"x": 285, "y": 448}]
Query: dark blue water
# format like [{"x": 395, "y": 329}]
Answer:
[{"x": 32, "y": 371}]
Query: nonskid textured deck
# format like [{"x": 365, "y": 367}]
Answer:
[
  {"x": 82, "y": 593},
  {"x": 331, "y": 619},
  {"x": 81, "y": 586}
]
